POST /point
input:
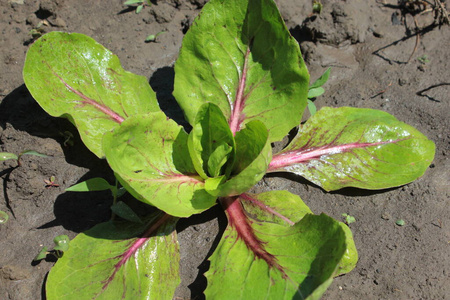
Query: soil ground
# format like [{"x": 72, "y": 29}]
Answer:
[{"x": 367, "y": 44}]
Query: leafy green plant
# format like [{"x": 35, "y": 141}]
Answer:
[
  {"x": 316, "y": 89},
  {"x": 7, "y": 155},
  {"x": 51, "y": 182},
  {"x": 152, "y": 37},
  {"x": 317, "y": 7},
  {"x": 400, "y": 222},
  {"x": 139, "y": 4},
  {"x": 239, "y": 93},
  {"x": 61, "y": 245},
  {"x": 349, "y": 219},
  {"x": 423, "y": 59},
  {"x": 4, "y": 217}
]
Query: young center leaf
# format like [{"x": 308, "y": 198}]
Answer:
[
  {"x": 253, "y": 155},
  {"x": 84, "y": 82},
  {"x": 119, "y": 260},
  {"x": 363, "y": 148},
  {"x": 149, "y": 155},
  {"x": 239, "y": 55},
  {"x": 262, "y": 259},
  {"x": 211, "y": 135}
]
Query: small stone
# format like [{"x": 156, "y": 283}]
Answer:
[
  {"x": 385, "y": 216},
  {"x": 32, "y": 20},
  {"x": 402, "y": 82},
  {"x": 58, "y": 22}
]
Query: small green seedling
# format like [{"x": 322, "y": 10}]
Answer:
[
  {"x": 39, "y": 30},
  {"x": 61, "y": 245},
  {"x": 68, "y": 138},
  {"x": 400, "y": 222},
  {"x": 348, "y": 219},
  {"x": 423, "y": 59},
  {"x": 317, "y": 7},
  {"x": 51, "y": 182},
  {"x": 139, "y": 4},
  {"x": 4, "y": 217},
  {"x": 7, "y": 155},
  {"x": 152, "y": 37},
  {"x": 315, "y": 90}
]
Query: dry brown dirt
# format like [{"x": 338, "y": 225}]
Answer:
[{"x": 367, "y": 44}]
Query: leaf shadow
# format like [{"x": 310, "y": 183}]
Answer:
[
  {"x": 162, "y": 82},
  {"x": 5, "y": 188},
  {"x": 75, "y": 212},
  {"x": 347, "y": 191},
  {"x": 421, "y": 32},
  {"x": 23, "y": 113},
  {"x": 78, "y": 211},
  {"x": 322, "y": 266}
]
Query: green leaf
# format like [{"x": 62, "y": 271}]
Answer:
[
  {"x": 119, "y": 260},
  {"x": 350, "y": 258},
  {"x": 316, "y": 92},
  {"x": 32, "y": 152},
  {"x": 218, "y": 159},
  {"x": 208, "y": 132},
  {"x": 72, "y": 76},
  {"x": 312, "y": 108},
  {"x": 278, "y": 207},
  {"x": 363, "y": 148},
  {"x": 265, "y": 260},
  {"x": 212, "y": 185},
  {"x": 91, "y": 185},
  {"x": 139, "y": 8},
  {"x": 321, "y": 80},
  {"x": 226, "y": 59},
  {"x": 61, "y": 242},
  {"x": 285, "y": 208},
  {"x": 349, "y": 219},
  {"x": 253, "y": 154},
  {"x": 149, "y": 155},
  {"x": 41, "y": 255},
  {"x": 7, "y": 155},
  {"x": 317, "y": 7},
  {"x": 4, "y": 217},
  {"x": 125, "y": 212},
  {"x": 400, "y": 222},
  {"x": 132, "y": 2}
]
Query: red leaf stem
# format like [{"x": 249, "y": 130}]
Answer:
[
  {"x": 239, "y": 103},
  {"x": 289, "y": 158},
  {"x": 240, "y": 222},
  {"x": 138, "y": 243},
  {"x": 86, "y": 100}
]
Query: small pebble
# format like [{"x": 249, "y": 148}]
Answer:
[{"x": 385, "y": 216}]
